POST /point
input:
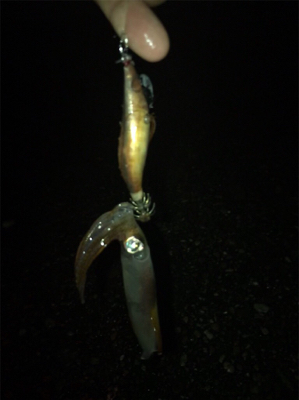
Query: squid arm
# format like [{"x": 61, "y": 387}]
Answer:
[{"x": 137, "y": 269}]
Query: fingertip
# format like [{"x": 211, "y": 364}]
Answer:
[
  {"x": 152, "y": 47},
  {"x": 147, "y": 36}
]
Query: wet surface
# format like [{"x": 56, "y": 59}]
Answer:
[{"x": 222, "y": 169}]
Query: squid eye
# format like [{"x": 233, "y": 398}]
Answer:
[{"x": 133, "y": 245}]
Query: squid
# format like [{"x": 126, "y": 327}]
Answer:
[
  {"x": 120, "y": 224},
  {"x": 137, "y": 269}
]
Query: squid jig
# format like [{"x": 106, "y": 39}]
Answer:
[{"x": 137, "y": 128}]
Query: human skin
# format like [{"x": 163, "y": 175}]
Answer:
[{"x": 146, "y": 35}]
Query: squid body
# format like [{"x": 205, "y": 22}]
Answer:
[{"x": 137, "y": 269}]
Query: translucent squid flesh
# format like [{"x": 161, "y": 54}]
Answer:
[
  {"x": 139, "y": 283},
  {"x": 137, "y": 128},
  {"x": 137, "y": 268}
]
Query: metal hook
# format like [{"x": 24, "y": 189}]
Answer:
[
  {"x": 123, "y": 44},
  {"x": 123, "y": 49}
]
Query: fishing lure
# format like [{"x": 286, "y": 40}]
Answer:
[
  {"x": 137, "y": 128},
  {"x": 120, "y": 224}
]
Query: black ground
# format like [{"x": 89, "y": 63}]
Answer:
[{"x": 222, "y": 169}]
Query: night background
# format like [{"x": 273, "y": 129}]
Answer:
[{"x": 222, "y": 169}]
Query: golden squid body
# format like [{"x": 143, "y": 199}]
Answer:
[
  {"x": 137, "y": 269},
  {"x": 137, "y": 128}
]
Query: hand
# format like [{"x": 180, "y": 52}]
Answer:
[{"x": 146, "y": 34}]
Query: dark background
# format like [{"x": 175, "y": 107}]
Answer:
[{"x": 222, "y": 169}]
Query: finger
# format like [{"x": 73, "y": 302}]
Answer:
[{"x": 147, "y": 36}]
